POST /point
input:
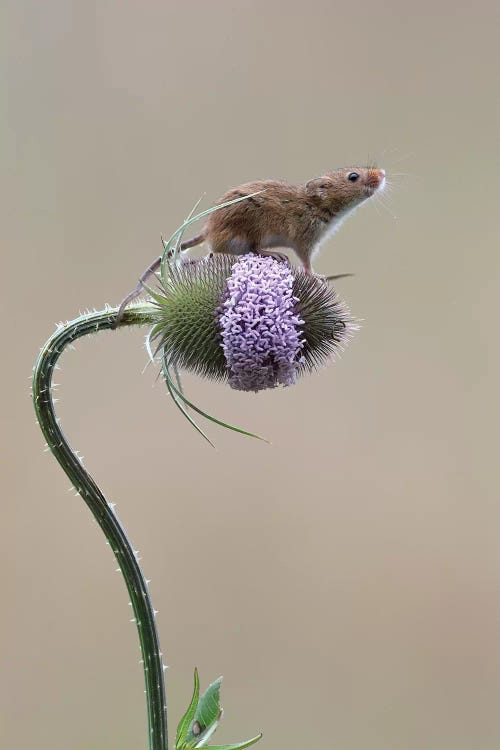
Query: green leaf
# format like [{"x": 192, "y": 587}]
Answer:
[
  {"x": 206, "y": 718},
  {"x": 186, "y": 720},
  {"x": 202, "y": 719},
  {"x": 237, "y": 745},
  {"x": 212, "y": 419},
  {"x": 178, "y": 398},
  {"x": 175, "y": 240},
  {"x": 178, "y": 379}
]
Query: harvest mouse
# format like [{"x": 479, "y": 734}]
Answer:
[{"x": 299, "y": 217}]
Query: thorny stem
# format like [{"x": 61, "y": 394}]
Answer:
[{"x": 87, "y": 488}]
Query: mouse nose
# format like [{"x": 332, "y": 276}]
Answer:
[{"x": 375, "y": 178}]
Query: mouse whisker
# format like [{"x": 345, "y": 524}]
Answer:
[{"x": 379, "y": 199}]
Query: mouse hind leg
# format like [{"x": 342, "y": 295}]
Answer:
[
  {"x": 237, "y": 246},
  {"x": 272, "y": 246},
  {"x": 276, "y": 254},
  {"x": 234, "y": 246}
]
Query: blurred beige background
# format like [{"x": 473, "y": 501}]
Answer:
[{"x": 346, "y": 579}]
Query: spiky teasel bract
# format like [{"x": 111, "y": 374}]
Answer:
[
  {"x": 328, "y": 324},
  {"x": 189, "y": 331},
  {"x": 251, "y": 321}
]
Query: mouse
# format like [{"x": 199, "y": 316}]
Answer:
[{"x": 280, "y": 214}]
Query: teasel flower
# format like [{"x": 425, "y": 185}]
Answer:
[{"x": 252, "y": 321}]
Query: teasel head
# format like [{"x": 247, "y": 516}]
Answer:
[{"x": 252, "y": 321}]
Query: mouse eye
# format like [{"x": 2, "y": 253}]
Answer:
[{"x": 353, "y": 176}]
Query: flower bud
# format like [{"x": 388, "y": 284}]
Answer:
[{"x": 251, "y": 320}]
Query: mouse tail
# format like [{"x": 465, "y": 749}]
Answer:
[{"x": 193, "y": 242}]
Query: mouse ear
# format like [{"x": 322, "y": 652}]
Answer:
[{"x": 316, "y": 185}]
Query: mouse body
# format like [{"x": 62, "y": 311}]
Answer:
[{"x": 275, "y": 213}]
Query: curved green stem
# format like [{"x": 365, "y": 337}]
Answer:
[{"x": 99, "y": 506}]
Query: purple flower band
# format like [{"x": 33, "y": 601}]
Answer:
[{"x": 261, "y": 332}]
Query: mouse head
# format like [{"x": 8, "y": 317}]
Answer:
[{"x": 346, "y": 187}]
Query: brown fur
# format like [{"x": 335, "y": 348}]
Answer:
[
  {"x": 299, "y": 217},
  {"x": 293, "y": 216}
]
